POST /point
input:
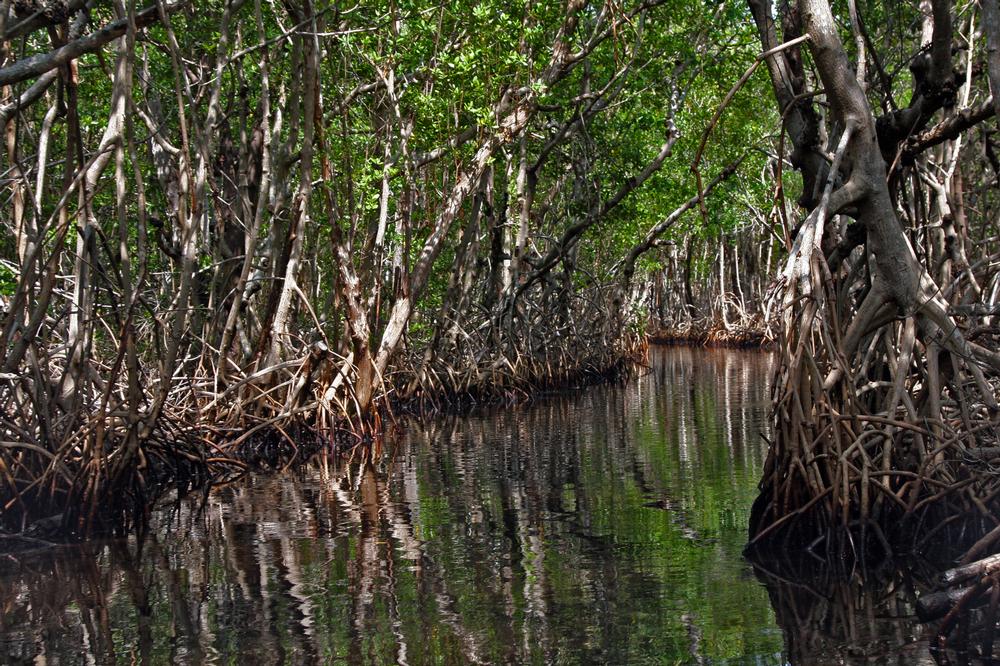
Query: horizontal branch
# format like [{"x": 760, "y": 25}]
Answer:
[
  {"x": 37, "y": 19},
  {"x": 29, "y": 96},
  {"x": 950, "y": 128},
  {"x": 39, "y": 64}
]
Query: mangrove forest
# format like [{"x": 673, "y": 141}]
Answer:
[{"x": 482, "y": 332}]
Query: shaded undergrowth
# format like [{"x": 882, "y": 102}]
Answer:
[{"x": 80, "y": 495}]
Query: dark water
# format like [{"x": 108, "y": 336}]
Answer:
[{"x": 602, "y": 527}]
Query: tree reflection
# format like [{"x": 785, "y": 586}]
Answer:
[
  {"x": 855, "y": 616},
  {"x": 604, "y": 526}
]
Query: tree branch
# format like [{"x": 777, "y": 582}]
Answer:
[{"x": 39, "y": 64}]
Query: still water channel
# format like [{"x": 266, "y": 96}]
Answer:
[{"x": 604, "y": 526}]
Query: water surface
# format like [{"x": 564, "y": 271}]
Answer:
[{"x": 605, "y": 526}]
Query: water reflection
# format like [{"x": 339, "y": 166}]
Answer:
[
  {"x": 601, "y": 527},
  {"x": 856, "y": 616}
]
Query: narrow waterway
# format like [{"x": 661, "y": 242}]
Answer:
[{"x": 605, "y": 526}]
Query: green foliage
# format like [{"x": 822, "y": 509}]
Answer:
[{"x": 8, "y": 278}]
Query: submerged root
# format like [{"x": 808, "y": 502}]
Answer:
[
  {"x": 79, "y": 489},
  {"x": 70, "y": 495},
  {"x": 68, "y": 475},
  {"x": 860, "y": 609}
]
